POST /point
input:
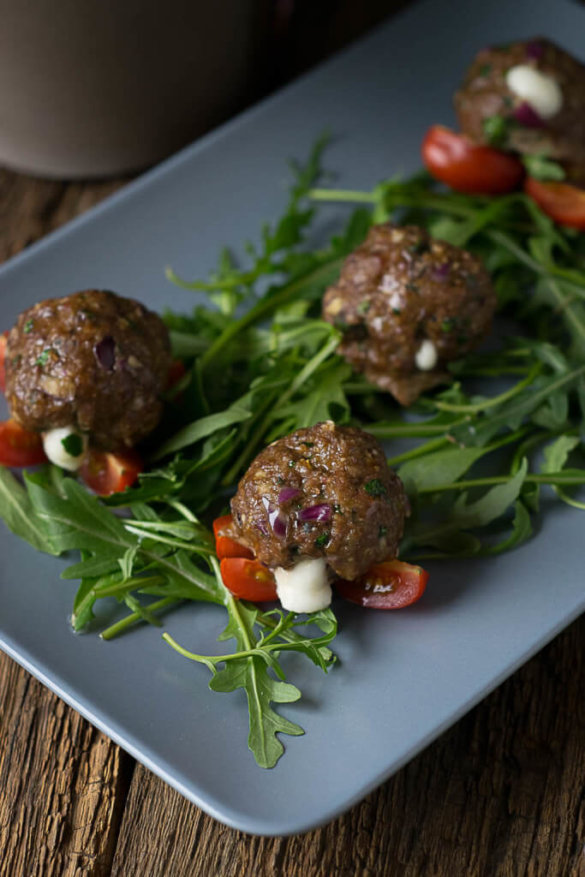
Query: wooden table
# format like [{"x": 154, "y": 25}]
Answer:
[{"x": 501, "y": 793}]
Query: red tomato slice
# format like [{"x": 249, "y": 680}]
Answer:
[
  {"x": 175, "y": 373},
  {"x": 389, "y": 585},
  {"x": 107, "y": 473},
  {"x": 3, "y": 341},
  {"x": 19, "y": 446},
  {"x": 468, "y": 167},
  {"x": 225, "y": 544},
  {"x": 221, "y": 524},
  {"x": 248, "y": 579},
  {"x": 561, "y": 201}
]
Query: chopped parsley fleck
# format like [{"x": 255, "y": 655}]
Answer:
[
  {"x": 364, "y": 306},
  {"x": 485, "y": 69},
  {"x": 280, "y": 481},
  {"x": 323, "y": 539},
  {"x": 375, "y": 487},
  {"x": 15, "y": 361},
  {"x": 396, "y": 311},
  {"x": 495, "y": 129},
  {"x": 43, "y": 357},
  {"x": 73, "y": 444},
  {"x": 337, "y": 509},
  {"x": 412, "y": 287},
  {"x": 448, "y": 325},
  {"x": 28, "y": 326},
  {"x": 292, "y": 464},
  {"x": 382, "y": 532},
  {"x": 419, "y": 247},
  {"x": 309, "y": 444}
]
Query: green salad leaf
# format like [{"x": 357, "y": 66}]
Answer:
[{"x": 475, "y": 456}]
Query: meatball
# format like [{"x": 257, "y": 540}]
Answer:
[
  {"x": 528, "y": 97},
  {"x": 323, "y": 492},
  {"x": 92, "y": 361},
  {"x": 408, "y": 304}
]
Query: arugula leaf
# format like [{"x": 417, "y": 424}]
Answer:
[
  {"x": 202, "y": 428},
  {"x": 250, "y": 667},
  {"x": 542, "y": 168},
  {"x": 436, "y": 469},
  {"x": 17, "y": 512}
]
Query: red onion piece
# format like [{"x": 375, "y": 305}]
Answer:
[
  {"x": 441, "y": 272},
  {"x": 534, "y": 50},
  {"x": 527, "y": 116},
  {"x": 276, "y": 518},
  {"x": 288, "y": 493},
  {"x": 318, "y": 513},
  {"x": 105, "y": 353}
]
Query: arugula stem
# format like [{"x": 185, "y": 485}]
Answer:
[
  {"x": 345, "y": 195},
  {"x": 565, "y": 478},
  {"x": 410, "y": 430},
  {"x": 495, "y": 400},
  {"x": 135, "y": 617},
  {"x": 268, "y": 305},
  {"x": 419, "y": 451},
  {"x": 311, "y": 366},
  {"x": 127, "y": 585}
]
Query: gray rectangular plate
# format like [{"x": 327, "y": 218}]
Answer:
[{"x": 404, "y": 677}]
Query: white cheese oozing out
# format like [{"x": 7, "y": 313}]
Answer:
[
  {"x": 542, "y": 92},
  {"x": 305, "y": 587},
  {"x": 58, "y": 444},
  {"x": 426, "y": 356}
]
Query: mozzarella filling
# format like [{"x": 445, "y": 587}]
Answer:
[
  {"x": 542, "y": 92},
  {"x": 426, "y": 356},
  {"x": 64, "y": 447},
  {"x": 305, "y": 587}
]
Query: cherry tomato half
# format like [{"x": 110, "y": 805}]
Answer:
[
  {"x": 248, "y": 579},
  {"x": 3, "y": 341},
  {"x": 106, "y": 473},
  {"x": 467, "y": 167},
  {"x": 19, "y": 446},
  {"x": 176, "y": 371},
  {"x": 225, "y": 544},
  {"x": 389, "y": 585},
  {"x": 561, "y": 201}
]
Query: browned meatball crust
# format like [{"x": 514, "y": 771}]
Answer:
[
  {"x": 484, "y": 96},
  {"x": 325, "y": 492},
  {"x": 399, "y": 289},
  {"x": 91, "y": 360}
]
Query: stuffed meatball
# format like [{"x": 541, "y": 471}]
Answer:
[
  {"x": 320, "y": 502},
  {"x": 407, "y": 305},
  {"x": 90, "y": 364},
  {"x": 528, "y": 97}
]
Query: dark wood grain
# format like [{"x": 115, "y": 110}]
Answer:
[{"x": 63, "y": 784}]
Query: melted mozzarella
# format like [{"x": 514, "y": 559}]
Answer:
[
  {"x": 305, "y": 587},
  {"x": 55, "y": 450},
  {"x": 426, "y": 356},
  {"x": 542, "y": 92}
]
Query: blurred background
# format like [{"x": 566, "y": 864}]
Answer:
[{"x": 101, "y": 88}]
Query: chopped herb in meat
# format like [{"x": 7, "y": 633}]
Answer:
[{"x": 375, "y": 487}]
